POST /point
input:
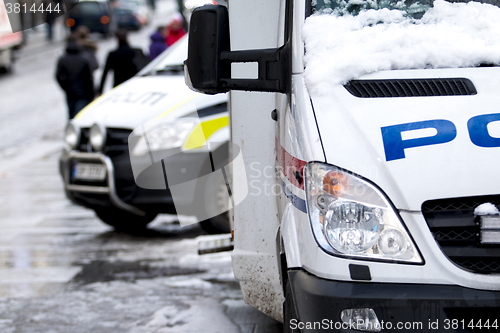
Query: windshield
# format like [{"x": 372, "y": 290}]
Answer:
[
  {"x": 347, "y": 39},
  {"x": 171, "y": 60},
  {"x": 132, "y": 3},
  {"x": 412, "y": 8},
  {"x": 87, "y": 8}
]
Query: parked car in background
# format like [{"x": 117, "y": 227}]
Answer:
[
  {"x": 96, "y": 163},
  {"x": 132, "y": 14},
  {"x": 190, "y": 5},
  {"x": 9, "y": 40},
  {"x": 142, "y": 8},
  {"x": 126, "y": 18},
  {"x": 97, "y": 15}
]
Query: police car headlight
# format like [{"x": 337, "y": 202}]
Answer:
[
  {"x": 164, "y": 136},
  {"x": 97, "y": 136},
  {"x": 351, "y": 217},
  {"x": 72, "y": 135}
]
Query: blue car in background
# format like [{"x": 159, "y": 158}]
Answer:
[
  {"x": 132, "y": 14},
  {"x": 97, "y": 15}
]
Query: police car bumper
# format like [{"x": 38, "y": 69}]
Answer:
[
  {"x": 116, "y": 189},
  {"x": 397, "y": 307},
  {"x": 93, "y": 190}
]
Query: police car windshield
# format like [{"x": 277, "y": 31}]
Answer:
[
  {"x": 413, "y": 8},
  {"x": 169, "y": 62}
]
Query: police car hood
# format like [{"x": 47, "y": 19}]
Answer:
[
  {"x": 143, "y": 98},
  {"x": 449, "y": 156}
]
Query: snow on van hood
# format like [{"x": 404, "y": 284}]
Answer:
[
  {"x": 449, "y": 35},
  {"x": 351, "y": 133},
  {"x": 143, "y": 98}
]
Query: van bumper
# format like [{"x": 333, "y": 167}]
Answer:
[{"x": 422, "y": 308}]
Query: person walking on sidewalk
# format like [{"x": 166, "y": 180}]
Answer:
[
  {"x": 74, "y": 75},
  {"x": 175, "y": 31},
  {"x": 50, "y": 16},
  {"x": 89, "y": 47},
  {"x": 157, "y": 43},
  {"x": 125, "y": 61}
]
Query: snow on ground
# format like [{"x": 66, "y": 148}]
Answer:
[{"x": 449, "y": 35}]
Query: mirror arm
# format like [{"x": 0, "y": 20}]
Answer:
[{"x": 274, "y": 72}]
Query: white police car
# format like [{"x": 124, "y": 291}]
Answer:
[{"x": 96, "y": 163}]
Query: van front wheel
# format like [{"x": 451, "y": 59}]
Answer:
[{"x": 290, "y": 319}]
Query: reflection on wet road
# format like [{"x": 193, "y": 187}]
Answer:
[{"x": 62, "y": 270}]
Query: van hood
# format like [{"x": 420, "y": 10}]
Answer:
[
  {"x": 449, "y": 156},
  {"x": 143, "y": 98}
]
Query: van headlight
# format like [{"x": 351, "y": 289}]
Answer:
[
  {"x": 72, "y": 135},
  {"x": 351, "y": 217},
  {"x": 97, "y": 137},
  {"x": 164, "y": 136}
]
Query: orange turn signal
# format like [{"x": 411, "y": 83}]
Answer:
[
  {"x": 335, "y": 183},
  {"x": 70, "y": 22}
]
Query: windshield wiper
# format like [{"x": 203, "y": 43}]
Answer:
[{"x": 168, "y": 70}]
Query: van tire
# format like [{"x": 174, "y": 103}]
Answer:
[
  {"x": 124, "y": 221},
  {"x": 289, "y": 312}
]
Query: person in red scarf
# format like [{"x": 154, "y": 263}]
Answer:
[{"x": 174, "y": 30}]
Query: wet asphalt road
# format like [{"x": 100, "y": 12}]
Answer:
[{"x": 61, "y": 269}]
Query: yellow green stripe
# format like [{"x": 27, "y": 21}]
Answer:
[
  {"x": 175, "y": 107},
  {"x": 205, "y": 130},
  {"x": 88, "y": 107}
]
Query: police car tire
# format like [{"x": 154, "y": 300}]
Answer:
[
  {"x": 217, "y": 225},
  {"x": 215, "y": 183},
  {"x": 289, "y": 310},
  {"x": 122, "y": 220}
]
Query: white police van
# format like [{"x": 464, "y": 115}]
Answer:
[
  {"x": 381, "y": 121},
  {"x": 96, "y": 164}
]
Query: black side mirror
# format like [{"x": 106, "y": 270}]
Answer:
[
  {"x": 208, "y": 38},
  {"x": 208, "y": 67}
]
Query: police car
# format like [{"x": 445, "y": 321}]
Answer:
[{"x": 96, "y": 163}]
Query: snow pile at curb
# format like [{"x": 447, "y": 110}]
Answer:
[{"x": 449, "y": 35}]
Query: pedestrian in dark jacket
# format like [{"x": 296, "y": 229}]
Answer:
[
  {"x": 124, "y": 61},
  {"x": 75, "y": 77},
  {"x": 157, "y": 43},
  {"x": 82, "y": 34},
  {"x": 50, "y": 12}
]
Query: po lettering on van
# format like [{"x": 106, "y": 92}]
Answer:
[{"x": 445, "y": 131}]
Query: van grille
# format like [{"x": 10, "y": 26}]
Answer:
[
  {"x": 456, "y": 230},
  {"x": 411, "y": 87}
]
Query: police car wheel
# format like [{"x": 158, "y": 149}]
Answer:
[
  {"x": 122, "y": 220},
  {"x": 217, "y": 199},
  {"x": 217, "y": 225},
  {"x": 290, "y": 319}
]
